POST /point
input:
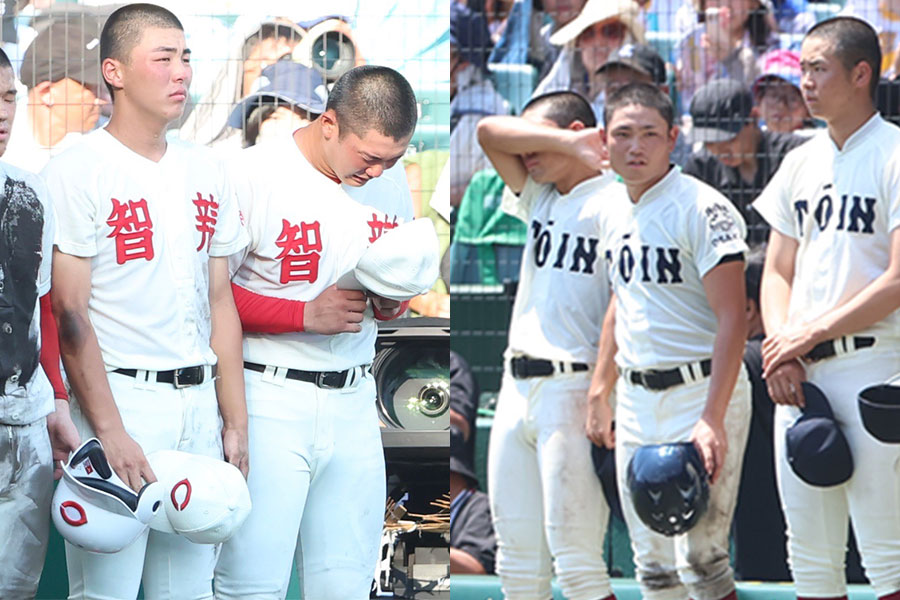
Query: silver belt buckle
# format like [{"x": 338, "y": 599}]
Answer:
[
  {"x": 328, "y": 379},
  {"x": 176, "y": 379}
]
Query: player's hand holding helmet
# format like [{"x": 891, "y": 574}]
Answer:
[
  {"x": 669, "y": 486},
  {"x": 93, "y": 509},
  {"x": 206, "y": 499}
]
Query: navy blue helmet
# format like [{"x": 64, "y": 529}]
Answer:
[{"x": 669, "y": 486}]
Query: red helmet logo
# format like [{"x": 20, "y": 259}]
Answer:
[
  {"x": 82, "y": 517},
  {"x": 187, "y": 494}
]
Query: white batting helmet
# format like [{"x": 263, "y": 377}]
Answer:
[
  {"x": 206, "y": 499},
  {"x": 93, "y": 509}
]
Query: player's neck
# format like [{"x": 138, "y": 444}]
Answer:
[
  {"x": 842, "y": 127},
  {"x": 142, "y": 136},
  {"x": 309, "y": 142}
]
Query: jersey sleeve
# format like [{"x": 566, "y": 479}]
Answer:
[
  {"x": 519, "y": 206},
  {"x": 891, "y": 184},
  {"x": 718, "y": 231},
  {"x": 774, "y": 203},
  {"x": 76, "y": 209},
  {"x": 230, "y": 235},
  {"x": 248, "y": 209}
]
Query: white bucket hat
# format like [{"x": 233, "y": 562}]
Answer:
[
  {"x": 93, "y": 508},
  {"x": 597, "y": 11},
  {"x": 206, "y": 499},
  {"x": 402, "y": 263}
]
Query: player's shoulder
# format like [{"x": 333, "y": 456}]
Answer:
[
  {"x": 32, "y": 180},
  {"x": 601, "y": 193},
  {"x": 80, "y": 161}
]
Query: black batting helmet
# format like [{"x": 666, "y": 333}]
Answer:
[{"x": 669, "y": 486}]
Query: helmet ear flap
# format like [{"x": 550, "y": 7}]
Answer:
[{"x": 669, "y": 487}]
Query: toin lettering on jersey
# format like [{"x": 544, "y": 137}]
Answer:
[
  {"x": 851, "y": 213},
  {"x": 562, "y": 252}
]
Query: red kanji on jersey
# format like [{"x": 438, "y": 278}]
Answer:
[
  {"x": 300, "y": 251},
  {"x": 207, "y": 213},
  {"x": 132, "y": 229},
  {"x": 379, "y": 226}
]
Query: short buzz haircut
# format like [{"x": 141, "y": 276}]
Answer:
[
  {"x": 641, "y": 94},
  {"x": 563, "y": 108},
  {"x": 854, "y": 41},
  {"x": 124, "y": 27},
  {"x": 4, "y": 61},
  {"x": 374, "y": 97}
]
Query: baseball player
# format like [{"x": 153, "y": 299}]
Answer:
[
  {"x": 829, "y": 304},
  {"x": 546, "y": 501},
  {"x": 675, "y": 254},
  {"x": 143, "y": 299},
  {"x": 29, "y": 367},
  {"x": 318, "y": 477}
]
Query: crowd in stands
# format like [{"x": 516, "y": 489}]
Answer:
[{"x": 593, "y": 47}]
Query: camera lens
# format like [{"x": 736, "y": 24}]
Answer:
[
  {"x": 333, "y": 53},
  {"x": 434, "y": 400}
]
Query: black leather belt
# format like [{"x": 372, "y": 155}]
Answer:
[
  {"x": 328, "y": 380},
  {"x": 826, "y": 349},
  {"x": 523, "y": 367},
  {"x": 180, "y": 378},
  {"x": 656, "y": 380}
]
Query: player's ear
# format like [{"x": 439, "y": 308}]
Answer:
[
  {"x": 673, "y": 137},
  {"x": 112, "y": 72},
  {"x": 576, "y": 125},
  {"x": 44, "y": 93},
  {"x": 330, "y": 128}
]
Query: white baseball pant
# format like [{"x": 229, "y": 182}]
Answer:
[
  {"x": 26, "y": 486},
  {"x": 817, "y": 517},
  {"x": 546, "y": 500},
  {"x": 158, "y": 417},
  {"x": 317, "y": 482},
  {"x": 694, "y": 564}
]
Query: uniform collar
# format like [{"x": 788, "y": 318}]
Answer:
[
  {"x": 660, "y": 188},
  {"x": 589, "y": 182},
  {"x": 857, "y": 138}
]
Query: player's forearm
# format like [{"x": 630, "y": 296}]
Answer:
[
  {"x": 514, "y": 135},
  {"x": 80, "y": 353},
  {"x": 872, "y": 304},
  {"x": 226, "y": 341},
  {"x": 605, "y": 373},
  {"x": 727, "y": 358},
  {"x": 463, "y": 563},
  {"x": 775, "y": 297},
  {"x": 50, "y": 349},
  {"x": 267, "y": 314}
]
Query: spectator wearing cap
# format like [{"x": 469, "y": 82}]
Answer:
[
  {"x": 638, "y": 62},
  {"x": 777, "y": 93},
  {"x": 289, "y": 96},
  {"x": 61, "y": 70},
  {"x": 472, "y": 543},
  {"x": 472, "y": 96},
  {"x": 738, "y": 158},
  {"x": 587, "y": 41},
  {"x": 726, "y": 42}
]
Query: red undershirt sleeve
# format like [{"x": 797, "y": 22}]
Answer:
[
  {"x": 50, "y": 349},
  {"x": 264, "y": 314},
  {"x": 403, "y": 306}
]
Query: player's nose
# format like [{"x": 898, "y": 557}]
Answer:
[{"x": 375, "y": 171}]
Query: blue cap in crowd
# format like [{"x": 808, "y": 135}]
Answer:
[
  {"x": 817, "y": 450},
  {"x": 469, "y": 35},
  {"x": 284, "y": 82}
]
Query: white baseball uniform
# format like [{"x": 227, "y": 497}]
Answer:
[
  {"x": 389, "y": 194},
  {"x": 27, "y": 226},
  {"x": 658, "y": 250},
  {"x": 317, "y": 476},
  {"x": 149, "y": 229},
  {"x": 841, "y": 205},
  {"x": 546, "y": 499}
]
